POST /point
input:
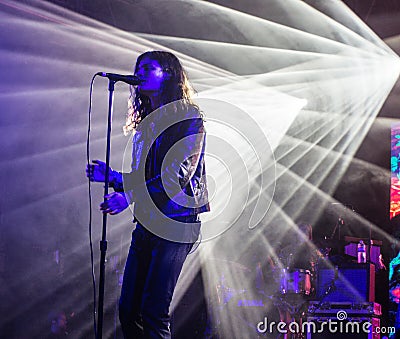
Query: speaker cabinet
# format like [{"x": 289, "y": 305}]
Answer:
[{"x": 350, "y": 282}]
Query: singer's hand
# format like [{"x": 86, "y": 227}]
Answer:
[
  {"x": 115, "y": 203},
  {"x": 96, "y": 171}
]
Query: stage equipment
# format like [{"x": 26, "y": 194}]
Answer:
[
  {"x": 113, "y": 78},
  {"x": 296, "y": 281},
  {"x": 350, "y": 282},
  {"x": 350, "y": 320},
  {"x": 128, "y": 79},
  {"x": 373, "y": 248}
]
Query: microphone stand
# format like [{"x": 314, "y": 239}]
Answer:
[
  {"x": 369, "y": 246},
  {"x": 103, "y": 241},
  {"x": 338, "y": 225}
]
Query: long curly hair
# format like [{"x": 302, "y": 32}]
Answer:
[{"x": 175, "y": 87}]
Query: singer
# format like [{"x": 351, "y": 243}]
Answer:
[{"x": 167, "y": 185}]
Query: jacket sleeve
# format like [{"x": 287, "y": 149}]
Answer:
[{"x": 116, "y": 181}]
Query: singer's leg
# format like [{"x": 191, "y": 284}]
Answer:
[
  {"x": 135, "y": 273},
  {"x": 166, "y": 265}
]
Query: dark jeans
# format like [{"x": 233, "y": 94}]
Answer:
[{"x": 151, "y": 273}]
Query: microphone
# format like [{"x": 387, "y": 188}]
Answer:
[{"x": 129, "y": 79}]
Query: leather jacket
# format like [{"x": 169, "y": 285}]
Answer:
[{"x": 168, "y": 170}]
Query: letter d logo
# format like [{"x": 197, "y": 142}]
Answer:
[{"x": 263, "y": 324}]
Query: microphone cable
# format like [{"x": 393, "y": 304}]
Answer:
[{"x": 90, "y": 206}]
